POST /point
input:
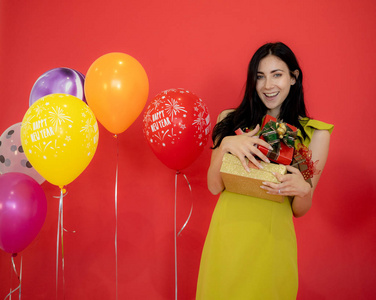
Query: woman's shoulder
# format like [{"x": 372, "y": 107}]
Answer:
[{"x": 224, "y": 114}]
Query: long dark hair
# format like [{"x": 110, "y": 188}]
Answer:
[{"x": 251, "y": 110}]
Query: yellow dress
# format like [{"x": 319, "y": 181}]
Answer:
[{"x": 250, "y": 251}]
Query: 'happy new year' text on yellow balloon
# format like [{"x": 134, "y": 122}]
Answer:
[{"x": 59, "y": 135}]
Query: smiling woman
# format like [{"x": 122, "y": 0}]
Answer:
[
  {"x": 250, "y": 249},
  {"x": 203, "y": 46}
]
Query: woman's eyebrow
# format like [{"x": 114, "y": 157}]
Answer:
[{"x": 273, "y": 71}]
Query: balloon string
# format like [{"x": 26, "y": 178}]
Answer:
[
  {"x": 19, "y": 279},
  {"x": 175, "y": 238},
  {"x": 182, "y": 228},
  {"x": 60, "y": 233},
  {"x": 190, "y": 213},
  {"x": 116, "y": 214},
  {"x": 66, "y": 230},
  {"x": 62, "y": 245},
  {"x": 19, "y": 295}
]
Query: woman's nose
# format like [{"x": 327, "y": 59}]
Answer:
[{"x": 269, "y": 83}]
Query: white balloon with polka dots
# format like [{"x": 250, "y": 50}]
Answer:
[{"x": 12, "y": 156}]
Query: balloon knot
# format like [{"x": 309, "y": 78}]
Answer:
[{"x": 62, "y": 189}]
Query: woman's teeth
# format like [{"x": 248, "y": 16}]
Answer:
[{"x": 271, "y": 94}]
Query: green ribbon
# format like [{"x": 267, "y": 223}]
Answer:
[{"x": 269, "y": 133}]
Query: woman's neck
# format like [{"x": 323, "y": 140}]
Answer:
[{"x": 273, "y": 113}]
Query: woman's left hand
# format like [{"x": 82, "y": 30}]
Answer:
[{"x": 292, "y": 184}]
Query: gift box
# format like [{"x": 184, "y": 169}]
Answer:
[
  {"x": 281, "y": 137},
  {"x": 237, "y": 180}
]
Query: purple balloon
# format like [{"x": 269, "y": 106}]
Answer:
[
  {"x": 58, "y": 81},
  {"x": 23, "y": 209}
]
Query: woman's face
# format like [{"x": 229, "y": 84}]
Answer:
[{"x": 273, "y": 83}]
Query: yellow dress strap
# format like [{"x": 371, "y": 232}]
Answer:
[{"x": 310, "y": 125}]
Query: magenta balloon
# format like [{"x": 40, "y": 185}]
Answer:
[
  {"x": 58, "y": 81},
  {"x": 23, "y": 209}
]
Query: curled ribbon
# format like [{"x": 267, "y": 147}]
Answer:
[
  {"x": 19, "y": 279},
  {"x": 181, "y": 229},
  {"x": 116, "y": 216},
  {"x": 60, "y": 234}
]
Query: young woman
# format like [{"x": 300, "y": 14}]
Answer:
[{"x": 250, "y": 250}]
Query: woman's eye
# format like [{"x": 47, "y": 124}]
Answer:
[
  {"x": 277, "y": 75},
  {"x": 259, "y": 77}
]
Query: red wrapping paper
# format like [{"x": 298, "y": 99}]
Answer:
[{"x": 286, "y": 153}]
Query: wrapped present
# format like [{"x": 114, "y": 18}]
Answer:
[
  {"x": 281, "y": 137},
  {"x": 237, "y": 180}
]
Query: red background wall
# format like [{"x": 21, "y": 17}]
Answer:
[{"x": 202, "y": 46}]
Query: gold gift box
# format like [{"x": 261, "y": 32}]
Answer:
[{"x": 238, "y": 180}]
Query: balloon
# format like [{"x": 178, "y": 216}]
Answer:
[
  {"x": 59, "y": 135},
  {"x": 176, "y": 127},
  {"x": 23, "y": 209},
  {"x": 116, "y": 89},
  {"x": 59, "y": 80},
  {"x": 12, "y": 156}
]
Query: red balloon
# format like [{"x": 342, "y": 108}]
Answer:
[
  {"x": 177, "y": 127},
  {"x": 23, "y": 209}
]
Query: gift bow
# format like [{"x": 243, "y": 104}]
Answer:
[
  {"x": 274, "y": 136},
  {"x": 275, "y": 132},
  {"x": 303, "y": 161}
]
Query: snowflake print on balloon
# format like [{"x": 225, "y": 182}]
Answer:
[
  {"x": 177, "y": 127},
  {"x": 50, "y": 127},
  {"x": 58, "y": 117},
  {"x": 173, "y": 108}
]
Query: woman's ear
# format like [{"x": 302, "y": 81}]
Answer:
[{"x": 294, "y": 77}]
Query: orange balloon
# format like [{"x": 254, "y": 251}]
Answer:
[{"x": 116, "y": 89}]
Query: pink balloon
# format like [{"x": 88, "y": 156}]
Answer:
[
  {"x": 12, "y": 156},
  {"x": 23, "y": 209}
]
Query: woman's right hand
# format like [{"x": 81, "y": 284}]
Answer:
[{"x": 245, "y": 146}]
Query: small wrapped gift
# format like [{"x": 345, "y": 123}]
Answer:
[
  {"x": 237, "y": 180},
  {"x": 281, "y": 137}
]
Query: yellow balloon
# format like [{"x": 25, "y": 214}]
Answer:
[{"x": 59, "y": 135}]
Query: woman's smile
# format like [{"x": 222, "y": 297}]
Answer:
[{"x": 271, "y": 95}]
